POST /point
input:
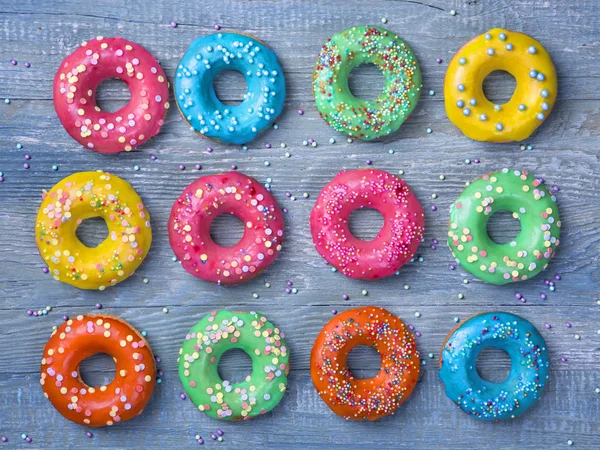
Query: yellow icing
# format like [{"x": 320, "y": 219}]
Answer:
[
  {"x": 81, "y": 196},
  {"x": 531, "y": 102}
]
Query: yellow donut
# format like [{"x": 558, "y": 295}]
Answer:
[
  {"x": 81, "y": 196},
  {"x": 535, "y": 93}
]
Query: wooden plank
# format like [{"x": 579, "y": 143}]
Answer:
[
  {"x": 427, "y": 420},
  {"x": 565, "y": 153}
]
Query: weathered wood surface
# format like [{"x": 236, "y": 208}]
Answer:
[{"x": 565, "y": 152}]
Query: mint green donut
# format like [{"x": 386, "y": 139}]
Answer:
[
  {"x": 199, "y": 358},
  {"x": 366, "y": 119},
  {"x": 527, "y": 254}
]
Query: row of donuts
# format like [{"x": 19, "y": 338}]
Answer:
[
  {"x": 349, "y": 397},
  {"x": 467, "y": 107},
  {"x": 91, "y": 194}
]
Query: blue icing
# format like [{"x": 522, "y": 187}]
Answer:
[
  {"x": 195, "y": 94},
  {"x": 528, "y": 375}
]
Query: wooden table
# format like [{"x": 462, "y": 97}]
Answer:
[{"x": 564, "y": 152}]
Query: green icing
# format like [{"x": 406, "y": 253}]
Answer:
[
  {"x": 366, "y": 119},
  {"x": 199, "y": 358},
  {"x": 527, "y": 254}
]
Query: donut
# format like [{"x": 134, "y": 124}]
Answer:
[
  {"x": 483, "y": 399},
  {"x": 372, "y": 398},
  {"x": 355, "y": 117},
  {"x": 534, "y": 96},
  {"x": 215, "y": 334},
  {"x": 195, "y": 94},
  {"x": 528, "y": 199},
  {"x": 227, "y": 193},
  {"x": 396, "y": 243},
  {"x": 81, "y": 196},
  {"x": 77, "y": 339},
  {"x": 75, "y": 85}
]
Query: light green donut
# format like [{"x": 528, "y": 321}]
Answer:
[
  {"x": 199, "y": 358},
  {"x": 526, "y": 255},
  {"x": 366, "y": 119}
]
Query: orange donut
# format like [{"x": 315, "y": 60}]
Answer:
[
  {"x": 372, "y": 398},
  {"x": 77, "y": 339}
]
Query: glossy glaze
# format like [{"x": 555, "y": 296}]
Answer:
[
  {"x": 77, "y": 339},
  {"x": 352, "y": 116},
  {"x": 81, "y": 196},
  {"x": 528, "y": 376},
  {"x": 531, "y": 103},
  {"x": 227, "y": 193},
  {"x": 75, "y": 86},
  {"x": 372, "y": 398},
  {"x": 394, "y": 245},
  {"x": 529, "y": 201},
  {"x": 195, "y": 94},
  {"x": 202, "y": 349}
]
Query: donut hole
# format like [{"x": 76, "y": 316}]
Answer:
[
  {"x": 230, "y": 87},
  {"x": 365, "y": 223},
  {"x": 364, "y": 362},
  {"x": 366, "y": 81},
  {"x": 499, "y": 86},
  {"x": 226, "y": 230},
  {"x": 92, "y": 232},
  {"x": 112, "y": 94},
  {"x": 235, "y": 366},
  {"x": 98, "y": 370},
  {"x": 493, "y": 365},
  {"x": 502, "y": 227}
]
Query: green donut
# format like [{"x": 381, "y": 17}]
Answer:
[
  {"x": 526, "y": 255},
  {"x": 366, "y": 119},
  {"x": 199, "y": 358}
]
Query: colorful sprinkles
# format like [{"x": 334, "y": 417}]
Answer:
[
  {"x": 398, "y": 239},
  {"x": 202, "y": 349},
  {"x": 369, "y": 399},
  {"x": 350, "y": 115},
  {"x": 228, "y": 193},
  {"x": 77, "y": 339},
  {"x": 80, "y": 196},
  {"x": 528, "y": 376},
  {"x": 528, "y": 199},
  {"x": 75, "y": 87}
]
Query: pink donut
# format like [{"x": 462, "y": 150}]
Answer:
[
  {"x": 398, "y": 239},
  {"x": 75, "y": 85},
  {"x": 226, "y": 193}
]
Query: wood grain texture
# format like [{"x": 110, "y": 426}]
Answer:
[{"x": 565, "y": 152}]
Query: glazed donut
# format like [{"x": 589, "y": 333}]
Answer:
[
  {"x": 398, "y": 239},
  {"x": 75, "y": 85},
  {"x": 202, "y": 349},
  {"x": 528, "y": 199},
  {"x": 528, "y": 376},
  {"x": 372, "y": 398},
  {"x": 195, "y": 94},
  {"x": 521, "y": 56},
  {"x": 226, "y": 193},
  {"x": 78, "y": 339},
  {"x": 352, "y": 116},
  {"x": 81, "y": 196}
]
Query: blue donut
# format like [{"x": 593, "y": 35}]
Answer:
[
  {"x": 528, "y": 374},
  {"x": 195, "y": 94}
]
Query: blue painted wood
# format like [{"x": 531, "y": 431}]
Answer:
[{"x": 565, "y": 153}]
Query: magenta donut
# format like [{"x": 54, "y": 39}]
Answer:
[
  {"x": 398, "y": 239},
  {"x": 226, "y": 193},
  {"x": 75, "y": 85}
]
